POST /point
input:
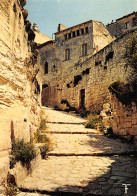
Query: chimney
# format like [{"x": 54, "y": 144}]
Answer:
[
  {"x": 34, "y": 27},
  {"x": 61, "y": 27}
]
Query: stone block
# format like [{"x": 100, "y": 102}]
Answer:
[{"x": 128, "y": 124}]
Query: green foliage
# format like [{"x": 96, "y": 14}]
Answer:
[
  {"x": 12, "y": 162},
  {"x": 11, "y": 188},
  {"x": 131, "y": 52},
  {"x": 23, "y": 152},
  {"x": 46, "y": 143},
  {"x": 100, "y": 125},
  {"x": 123, "y": 92},
  {"x": 92, "y": 121},
  {"x": 44, "y": 149},
  {"x": 43, "y": 124},
  {"x": 126, "y": 93},
  {"x": 39, "y": 138}
]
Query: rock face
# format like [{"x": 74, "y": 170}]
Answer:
[
  {"x": 19, "y": 83},
  {"x": 107, "y": 116},
  {"x": 23, "y": 3}
]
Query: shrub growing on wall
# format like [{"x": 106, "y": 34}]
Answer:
[
  {"x": 126, "y": 93},
  {"x": 22, "y": 152},
  {"x": 131, "y": 52}
]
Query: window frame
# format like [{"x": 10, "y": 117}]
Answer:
[
  {"x": 127, "y": 25},
  {"x": 84, "y": 49},
  {"x": 67, "y": 54}
]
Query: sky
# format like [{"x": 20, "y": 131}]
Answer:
[{"x": 49, "y": 13}]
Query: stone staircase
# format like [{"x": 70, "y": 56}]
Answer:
[{"x": 82, "y": 162}]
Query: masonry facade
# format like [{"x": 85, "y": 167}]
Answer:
[
  {"x": 78, "y": 67},
  {"x": 122, "y": 24}
]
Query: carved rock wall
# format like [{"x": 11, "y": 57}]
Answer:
[{"x": 19, "y": 88}]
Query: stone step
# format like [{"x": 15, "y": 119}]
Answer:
[
  {"x": 87, "y": 144},
  {"x": 70, "y": 128},
  {"x": 59, "y": 116},
  {"x": 80, "y": 175}
]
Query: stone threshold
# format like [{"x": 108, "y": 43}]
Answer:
[
  {"x": 69, "y": 123},
  {"x": 132, "y": 153},
  {"x": 69, "y": 132}
]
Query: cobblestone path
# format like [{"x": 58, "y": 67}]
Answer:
[{"x": 82, "y": 162}]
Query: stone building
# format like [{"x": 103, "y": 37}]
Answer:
[
  {"x": 122, "y": 24},
  {"x": 40, "y": 38},
  {"x": 70, "y": 48},
  {"x": 79, "y": 66}
]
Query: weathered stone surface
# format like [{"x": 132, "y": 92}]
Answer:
[
  {"x": 82, "y": 174},
  {"x": 17, "y": 92},
  {"x": 25, "y": 13},
  {"x": 96, "y": 72},
  {"x": 23, "y": 2},
  {"x": 122, "y": 25}
]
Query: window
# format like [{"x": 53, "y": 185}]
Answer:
[
  {"x": 84, "y": 49},
  {"x": 78, "y": 33},
  {"x": 82, "y": 31},
  {"x": 127, "y": 25},
  {"x": 86, "y": 29},
  {"x": 46, "y": 68},
  {"x": 69, "y": 35},
  {"x": 74, "y": 34},
  {"x": 65, "y": 36},
  {"x": 134, "y": 21},
  {"x": 44, "y": 86},
  {"x": 67, "y": 54},
  {"x": 19, "y": 15}
]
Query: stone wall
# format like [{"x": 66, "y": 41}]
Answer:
[
  {"x": 19, "y": 81},
  {"x": 124, "y": 118},
  {"x": 122, "y": 24},
  {"x": 86, "y": 84},
  {"x": 96, "y": 37},
  {"x": 60, "y": 70}
]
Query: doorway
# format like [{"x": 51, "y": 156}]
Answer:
[{"x": 82, "y": 98}]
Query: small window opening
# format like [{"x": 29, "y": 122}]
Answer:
[
  {"x": 19, "y": 15},
  {"x": 46, "y": 68},
  {"x": 109, "y": 56},
  {"x": 74, "y": 34},
  {"x": 44, "y": 86},
  {"x": 78, "y": 33},
  {"x": 86, "y": 29},
  {"x": 67, "y": 54},
  {"x": 69, "y": 35},
  {"x": 134, "y": 21},
  {"x": 82, "y": 31},
  {"x": 65, "y": 36},
  {"x": 127, "y": 25},
  {"x": 84, "y": 49}
]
